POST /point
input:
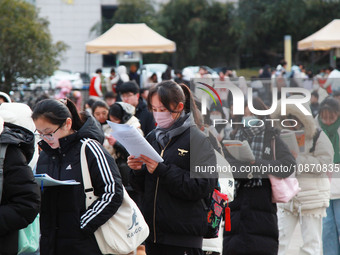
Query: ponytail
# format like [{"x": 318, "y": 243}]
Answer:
[
  {"x": 57, "y": 111},
  {"x": 190, "y": 104},
  {"x": 78, "y": 119}
]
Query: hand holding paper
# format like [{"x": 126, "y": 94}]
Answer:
[
  {"x": 133, "y": 141},
  {"x": 46, "y": 180},
  {"x": 239, "y": 150}
]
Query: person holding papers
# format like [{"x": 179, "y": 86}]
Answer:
[
  {"x": 172, "y": 202},
  {"x": 66, "y": 226},
  {"x": 254, "y": 228},
  {"x": 123, "y": 113},
  {"x": 308, "y": 207}
]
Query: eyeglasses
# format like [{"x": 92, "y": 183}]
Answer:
[
  {"x": 49, "y": 136},
  {"x": 127, "y": 95}
]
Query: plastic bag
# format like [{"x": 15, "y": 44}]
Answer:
[{"x": 29, "y": 237}]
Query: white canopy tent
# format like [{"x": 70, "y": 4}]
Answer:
[
  {"x": 130, "y": 37},
  {"x": 137, "y": 37},
  {"x": 327, "y": 38}
]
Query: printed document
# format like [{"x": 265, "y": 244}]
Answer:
[
  {"x": 133, "y": 141},
  {"x": 239, "y": 150},
  {"x": 46, "y": 180}
]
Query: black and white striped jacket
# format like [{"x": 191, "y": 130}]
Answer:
[{"x": 66, "y": 226}]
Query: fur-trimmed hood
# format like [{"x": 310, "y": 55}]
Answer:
[{"x": 307, "y": 120}]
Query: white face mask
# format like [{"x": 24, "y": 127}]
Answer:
[{"x": 163, "y": 119}]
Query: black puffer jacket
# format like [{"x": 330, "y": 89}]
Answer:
[
  {"x": 20, "y": 200},
  {"x": 254, "y": 227},
  {"x": 172, "y": 204},
  {"x": 66, "y": 226}
]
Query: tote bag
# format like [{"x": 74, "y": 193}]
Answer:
[
  {"x": 126, "y": 229},
  {"x": 283, "y": 189}
]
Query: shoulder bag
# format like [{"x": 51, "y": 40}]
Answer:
[
  {"x": 283, "y": 189},
  {"x": 126, "y": 229}
]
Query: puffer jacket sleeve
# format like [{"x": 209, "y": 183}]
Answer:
[
  {"x": 178, "y": 181},
  {"x": 322, "y": 155},
  {"x": 107, "y": 186},
  {"x": 20, "y": 201}
]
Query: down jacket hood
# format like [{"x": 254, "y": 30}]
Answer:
[
  {"x": 19, "y": 136},
  {"x": 307, "y": 120}
]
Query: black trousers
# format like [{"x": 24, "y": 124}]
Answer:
[{"x": 162, "y": 249}]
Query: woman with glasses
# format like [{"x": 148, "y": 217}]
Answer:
[
  {"x": 329, "y": 121},
  {"x": 66, "y": 226}
]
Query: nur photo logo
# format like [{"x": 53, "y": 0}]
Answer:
[{"x": 239, "y": 101}]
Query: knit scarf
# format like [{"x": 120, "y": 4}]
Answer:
[
  {"x": 163, "y": 135},
  {"x": 255, "y": 138},
  {"x": 332, "y": 133}
]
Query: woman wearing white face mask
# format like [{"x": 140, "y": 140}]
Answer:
[{"x": 172, "y": 204}]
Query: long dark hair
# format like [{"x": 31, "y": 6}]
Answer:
[
  {"x": 57, "y": 111},
  {"x": 331, "y": 105},
  {"x": 171, "y": 93}
]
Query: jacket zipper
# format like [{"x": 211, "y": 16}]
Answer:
[{"x": 154, "y": 202}]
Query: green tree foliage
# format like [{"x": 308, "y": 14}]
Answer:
[
  {"x": 129, "y": 11},
  {"x": 260, "y": 26},
  {"x": 200, "y": 30},
  {"x": 26, "y": 48},
  {"x": 214, "y": 33},
  {"x": 135, "y": 11}
]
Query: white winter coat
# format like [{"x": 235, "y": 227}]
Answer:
[{"x": 313, "y": 199}]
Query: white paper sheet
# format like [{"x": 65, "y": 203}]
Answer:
[
  {"x": 46, "y": 180},
  {"x": 239, "y": 150},
  {"x": 133, "y": 141}
]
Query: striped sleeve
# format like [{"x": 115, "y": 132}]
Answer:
[{"x": 105, "y": 175}]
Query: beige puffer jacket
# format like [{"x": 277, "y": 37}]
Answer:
[{"x": 313, "y": 199}]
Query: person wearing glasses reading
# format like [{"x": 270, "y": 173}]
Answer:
[{"x": 66, "y": 226}]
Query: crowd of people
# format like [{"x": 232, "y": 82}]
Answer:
[{"x": 172, "y": 203}]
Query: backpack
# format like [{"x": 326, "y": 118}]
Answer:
[
  {"x": 216, "y": 210},
  {"x": 315, "y": 138}
]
